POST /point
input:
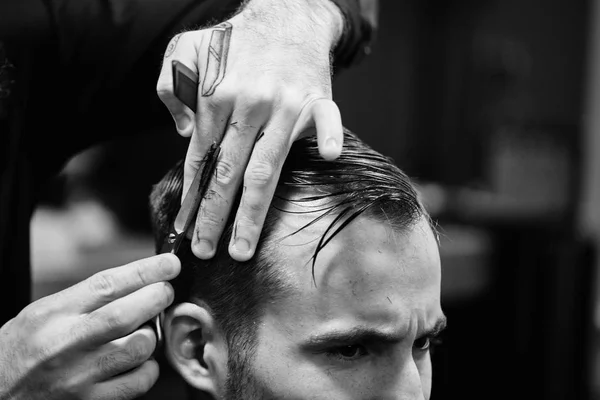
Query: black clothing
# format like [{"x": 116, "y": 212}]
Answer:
[{"x": 69, "y": 70}]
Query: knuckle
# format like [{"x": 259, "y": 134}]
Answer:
[
  {"x": 219, "y": 99},
  {"x": 225, "y": 173},
  {"x": 103, "y": 285},
  {"x": 139, "y": 351},
  {"x": 259, "y": 97},
  {"x": 140, "y": 272},
  {"x": 146, "y": 264},
  {"x": 115, "y": 320},
  {"x": 246, "y": 221},
  {"x": 257, "y": 207},
  {"x": 107, "y": 364},
  {"x": 126, "y": 358},
  {"x": 213, "y": 195},
  {"x": 209, "y": 217},
  {"x": 35, "y": 314},
  {"x": 260, "y": 174},
  {"x": 292, "y": 97}
]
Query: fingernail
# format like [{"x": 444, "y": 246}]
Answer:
[
  {"x": 204, "y": 247},
  {"x": 183, "y": 122},
  {"x": 242, "y": 245},
  {"x": 331, "y": 143}
]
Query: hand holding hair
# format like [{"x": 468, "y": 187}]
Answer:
[{"x": 264, "y": 81}]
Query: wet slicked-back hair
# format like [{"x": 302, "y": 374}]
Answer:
[{"x": 360, "y": 182}]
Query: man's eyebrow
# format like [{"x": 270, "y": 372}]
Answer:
[
  {"x": 361, "y": 334},
  {"x": 357, "y": 334}
]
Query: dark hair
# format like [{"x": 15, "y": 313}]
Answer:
[{"x": 360, "y": 182}]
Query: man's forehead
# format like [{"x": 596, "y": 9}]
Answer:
[{"x": 369, "y": 270}]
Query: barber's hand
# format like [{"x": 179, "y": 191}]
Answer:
[
  {"x": 265, "y": 80},
  {"x": 86, "y": 342}
]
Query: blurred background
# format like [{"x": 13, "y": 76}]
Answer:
[{"x": 493, "y": 107}]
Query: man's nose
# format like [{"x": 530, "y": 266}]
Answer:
[{"x": 408, "y": 385}]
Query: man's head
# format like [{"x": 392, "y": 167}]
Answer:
[{"x": 339, "y": 301}]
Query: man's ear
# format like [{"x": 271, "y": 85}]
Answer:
[{"x": 195, "y": 347}]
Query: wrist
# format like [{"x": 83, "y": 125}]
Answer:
[
  {"x": 332, "y": 19},
  {"x": 321, "y": 19}
]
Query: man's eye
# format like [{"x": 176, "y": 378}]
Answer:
[
  {"x": 348, "y": 353},
  {"x": 422, "y": 343}
]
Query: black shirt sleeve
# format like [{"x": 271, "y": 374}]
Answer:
[
  {"x": 93, "y": 77},
  {"x": 84, "y": 71},
  {"x": 360, "y": 25}
]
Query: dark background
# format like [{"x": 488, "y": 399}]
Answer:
[
  {"x": 484, "y": 99},
  {"x": 481, "y": 102}
]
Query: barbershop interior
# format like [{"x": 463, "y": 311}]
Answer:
[{"x": 493, "y": 109}]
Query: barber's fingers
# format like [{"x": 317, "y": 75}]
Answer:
[
  {"x": 183, "y": 48},
  {"x": 109, "y": 285},
  {"x": 323, "y": 115},
  {"x": 260, "y": 182},
  {"x": 206, "y": 125},
  {"x": 211, "y": 120},
  {"x": 263, "y": 169},
  {"x": 122, "y": 316},
  {"x": 130, "y": 385},
  {"x": 251, "y": 112},
  {"x": 120, "y": 355}
]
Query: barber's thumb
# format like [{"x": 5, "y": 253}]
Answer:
[{"x": 325, "y": 116}]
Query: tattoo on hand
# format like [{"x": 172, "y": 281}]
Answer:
[
  {"x": 216, "y": 61},
  {"x": 172, "y": 45}
]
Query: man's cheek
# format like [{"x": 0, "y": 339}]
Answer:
[
  {"x": 285, "y": 376},
  {"x": 281, "y": 377}
]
